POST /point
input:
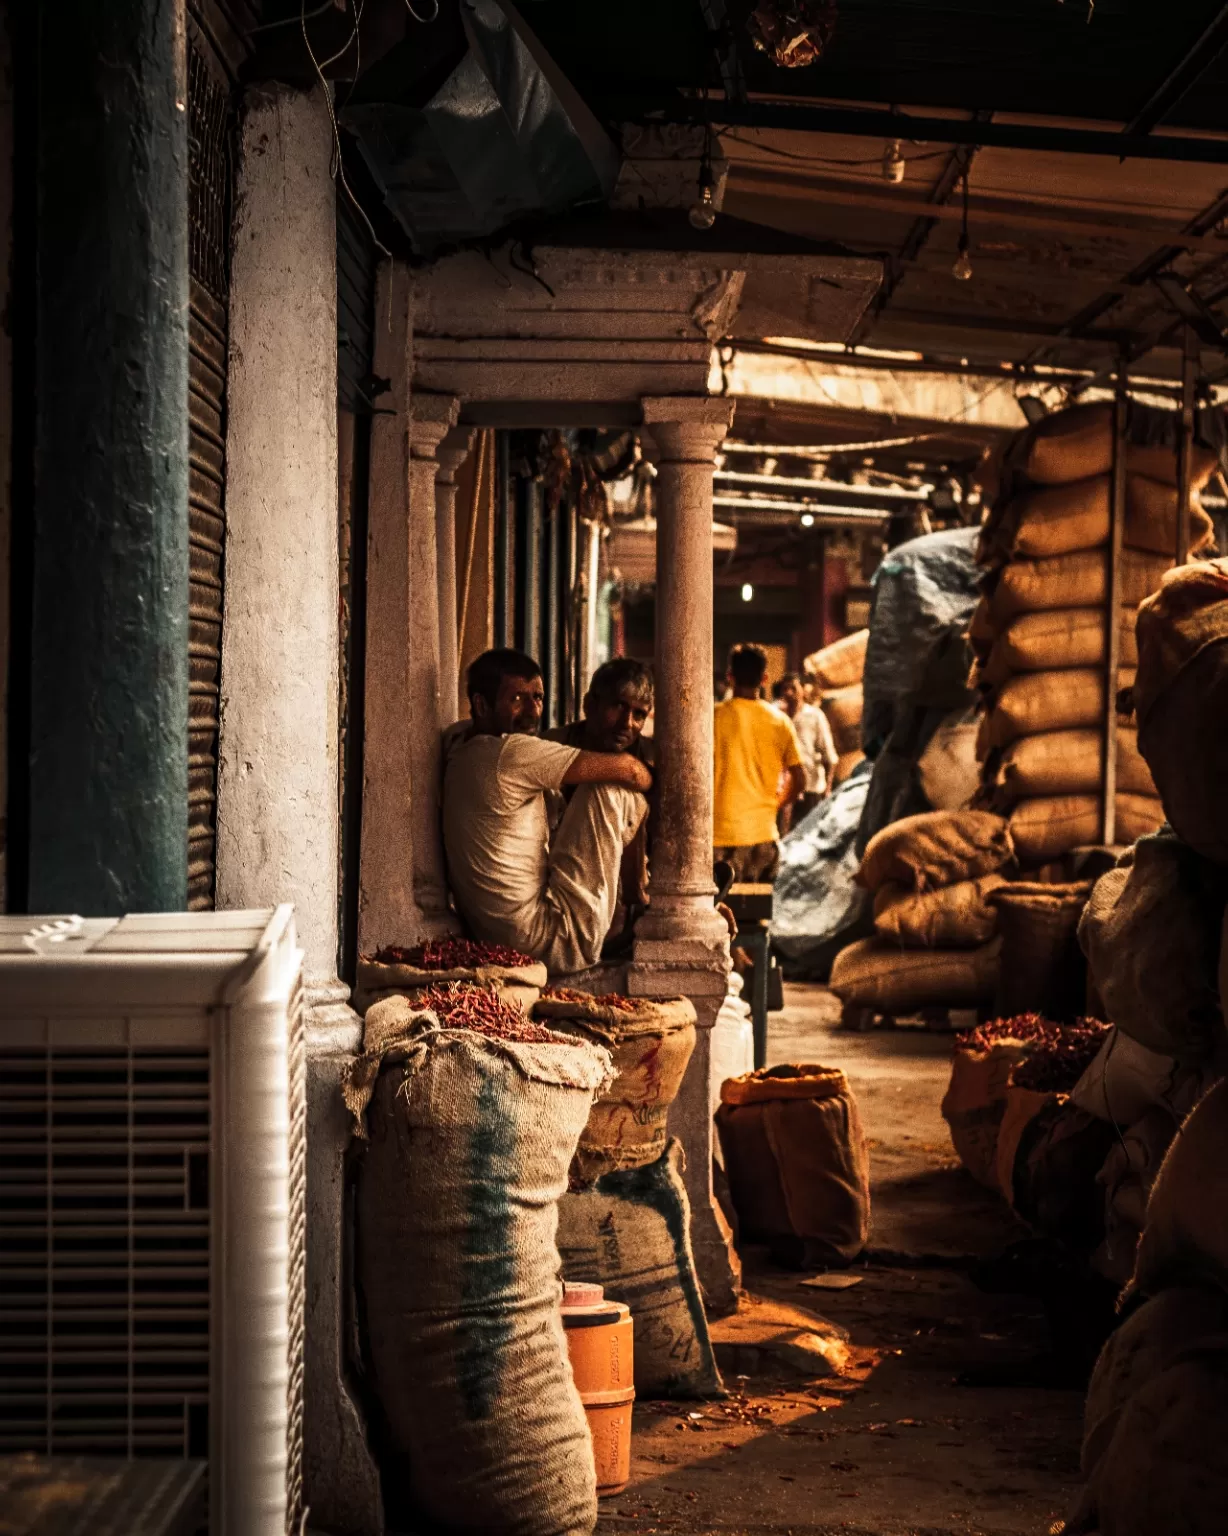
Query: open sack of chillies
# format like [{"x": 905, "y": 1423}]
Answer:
[
  {"x": 1003, "y": 1075},
  {"x": 396, "y": 968},
  {"x": 467, "y": 1115},
  {"x": 626, "y": 1219}
]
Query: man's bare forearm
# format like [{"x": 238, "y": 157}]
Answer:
[{"x": 609, "y": 768}]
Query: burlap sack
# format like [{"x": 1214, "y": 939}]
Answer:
[
  {"x": 952, "y": 917},
  {"x": 1043, "y": 970},
  {"x": 947, "y": 769},
  {"x": 1078, "y": 580},
  {"x": 935, "y": 848},
  {"x": 650, "y": 1048},
  {"x": 1127, "y": 1177},
  {"x": 1059, "y": 1152},
  {"x": 796, "y": 1157},
  {"x": 1020, "y": 1108},
  {"x": 1035, "y": 703},
  {"x": 1151, "y": 933},
  {"x": 1164, "y": 1468},
  {"x": 376, "y": 980},
  {"x": 841, "y": 663},
  {"x": 873, "y": 973},
  {"x": 1186, "y": 1236},
  {"x": 631, "y": 1233},
  {"x": 975, "y": 1102},
  {"x": 1077, "y": 443},
  {"x": 1053, "y": 641},
  {"x": 843, "y": 710},
  {"x": 1067, "y": 762},
  {"x": 1058, "y": 519},
  {"x": 1146, "y": 1344},
  {"x": 981, "y": 628},
  {"x": 457, "y": 1277},
  {"x": 1046, "y": 828},
  {"x": 1181, "y": 699}
]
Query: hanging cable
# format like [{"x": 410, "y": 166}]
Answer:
[{"x": 963, "y": 262}]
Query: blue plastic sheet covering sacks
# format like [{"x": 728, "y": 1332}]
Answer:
[
  {"x": 817, "y": 909},
  {"x": 917, "y": 664}
]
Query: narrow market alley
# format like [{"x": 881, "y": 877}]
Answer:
[{"x": 888, "y": 1444}]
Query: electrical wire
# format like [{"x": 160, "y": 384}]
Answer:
[{"x": 787, "y": 154}]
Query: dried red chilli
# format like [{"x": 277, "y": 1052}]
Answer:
[
  {"x": 451, "y": 955},
  {"x": 1057, "y": 1054},
  {"x": 614, "y": 1000},
  {"x": 461, "y": 1005}
]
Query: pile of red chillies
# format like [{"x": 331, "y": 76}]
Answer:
[
  {"x": 461, "y": 1005},
  {"x": 614, "y": 1000},
  {"x": 451, "y": 955},
  {"x": 1058, "y": 1054}
]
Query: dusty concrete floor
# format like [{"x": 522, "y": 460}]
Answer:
[{"x": 891, "y": 1446}]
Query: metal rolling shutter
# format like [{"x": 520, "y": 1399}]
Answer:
[{"x": 209, "y": 122}]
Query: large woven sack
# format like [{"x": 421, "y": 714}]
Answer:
[
  {"x": 1079, "y": 580},
  {"x": 1164, "y": 1468},
  {"x": 935, "y": 848},
  {"x": 975, "y": 1102},
  {"x": 947, "y": 769},
  {"x": 1058, "y": 1154},
  {"x": 1058, "y": 519},
  {"x": 1034, "y": 703},
  {"x": 1127, "y": 1177},
  {"x": 1054, "y": 640},
  {"x": 1181, "y": 698},
  {"x": 1151, "y": 933},
  {"x": 1068, "y": 762},
  {"x": 377, "y": 980},
  {"x": 1020, "y": 1109},
  {"x": 631, "y": 1233},
  {"x": 1050, "y": 826},
  {"x": 1186, "y": 1235},
  {"x": 1077, "y": 443},
  {"x": 796, "y": 1158},
  {"x": 840, "y": 663},
  {"x": 843, "y": 710},
  {"x": 457, "y": 1274},
  {"x": 1144, "y": 1346},
  {"x": 1042, "y": 970},
  {"x": 873, "y": 973},
  {"x": 651, "y": 1044},
  {"x": 952, "y": 917}
]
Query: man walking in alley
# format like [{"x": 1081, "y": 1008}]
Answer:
[
  {"x": 814, "y": 742},
  {"x": 755, "y": 750},
  {"x": 524, "y": 870}
]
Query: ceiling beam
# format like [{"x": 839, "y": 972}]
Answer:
[
  {"x": 881, "y": 123},
  {"x": 1173, "y": 87}
]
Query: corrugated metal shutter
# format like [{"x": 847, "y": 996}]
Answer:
[
  {"x": 209, "y": 138},
  {"x": 355, "y": 308}
]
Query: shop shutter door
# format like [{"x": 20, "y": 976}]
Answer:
[{"x": 209, "y": 125}]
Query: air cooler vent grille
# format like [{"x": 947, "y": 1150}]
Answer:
[{"x": 104, "y": 1250}]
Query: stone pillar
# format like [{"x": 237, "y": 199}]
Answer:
[
  {"x": 451, "y": 454},
  {"x": 431, "y": 417},
  {"x": 682, "y": 943},
  {"x": 279, "y": 762},
  {"x": 108, "y": 599},
  {"x": 386, "y": 910}
]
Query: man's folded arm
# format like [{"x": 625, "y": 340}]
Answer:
[{"x": 609, "y": 768}]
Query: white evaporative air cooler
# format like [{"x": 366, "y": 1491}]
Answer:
[{"x": 152, "y": 1198}]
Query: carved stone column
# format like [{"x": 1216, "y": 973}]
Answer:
[
  {"x": 682, "y": 943},
  {"x": 430, "y": 418},
  {"x": 450, "y": 454}
]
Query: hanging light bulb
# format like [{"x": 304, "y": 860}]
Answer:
[
  {"x": 963, "y": 262},
  {"x": 703, "y": 210},
  {"x": 807, "y": 519},
  {"x": 748, "y": 592},
  {"x": 894, "y": 163}
]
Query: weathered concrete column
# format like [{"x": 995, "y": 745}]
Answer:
[
  {"x": 108, "y": 758},
  {"x": 450, "y": 454},
  {"x": 431, "y": 417},
  {"x": 279, "y": 762},
  {"x": 682, "y": 943}
]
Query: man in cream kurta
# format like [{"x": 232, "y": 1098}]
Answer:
[{"x": 526, "y": 870}]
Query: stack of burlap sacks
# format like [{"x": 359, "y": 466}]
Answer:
[
  {"x": 1039, "y": 632},
  {"x": 933, "y": 877},
  {"x": 837, "y": 670}
]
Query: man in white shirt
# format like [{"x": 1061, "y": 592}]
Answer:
[
  {"x": 524, "y": 870},
  {"x": 814, "y": 742}
]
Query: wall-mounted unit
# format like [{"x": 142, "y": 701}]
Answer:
[{"x": 152, "y": 1199}]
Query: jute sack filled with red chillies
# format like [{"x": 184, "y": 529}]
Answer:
[
  {"x": 651, "y": 1041},
  {"x": 469, "y": 1114},
  {"x": 397, "y": 969}
]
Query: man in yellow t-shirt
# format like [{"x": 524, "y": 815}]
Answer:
[{"x": 755, "y": 749}]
